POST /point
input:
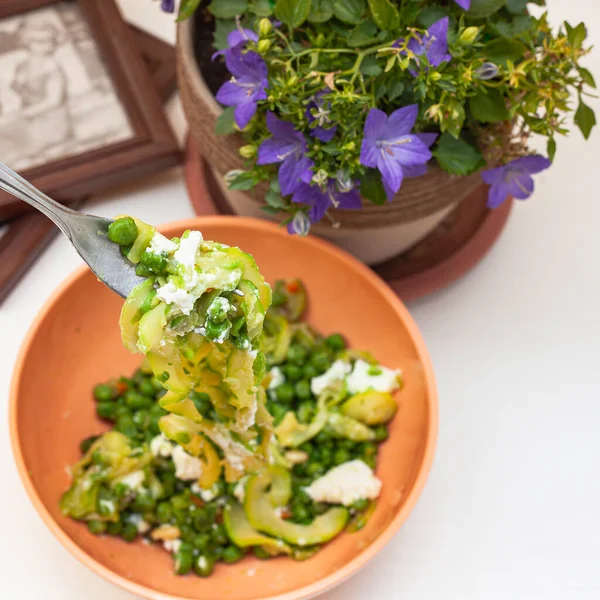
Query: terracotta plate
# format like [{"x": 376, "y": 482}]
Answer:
[{"x": 75, "y": 343}]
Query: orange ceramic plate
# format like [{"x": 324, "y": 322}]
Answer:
[{"x": 74, "y": 343}]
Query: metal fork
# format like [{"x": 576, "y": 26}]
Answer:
[{"x": 87, "y": 233}]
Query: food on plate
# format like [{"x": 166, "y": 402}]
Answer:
[{"x": 244, "y": 430}]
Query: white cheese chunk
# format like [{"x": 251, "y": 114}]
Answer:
[
  {"x": 172, "y": 545},
  {"x": 206, "y": 495},
  {"x": 187, "y": 251},
  {"x": 345, "y": 484},
  {"x": 159, "y": 244},
  {"x": 134, "y": 480},
  {"x": 338, "y": 370},
  {"x": 138, "y": 521},
  {"x": 178, "y": 297},
  {"x": 239, "y": 491},
  {"x": 161, "y": 446},
  {"x": 187, "y": 467},
  {"x": 277, "y": 378},
  {"x": 368, "y": 377}
]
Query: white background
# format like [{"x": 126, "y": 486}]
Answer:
[{"x": 512, "y": 506}]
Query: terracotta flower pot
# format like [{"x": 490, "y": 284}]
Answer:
[{"x": 373, "y": 234}]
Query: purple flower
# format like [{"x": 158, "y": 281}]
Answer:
[
  {"x": 320, "y": 200},
  {"x": 238, "y": 37},
  {"x": 168, "y": 6},
  {"x": 464, "y": 4},
  {"x": 287, "y": 146},
  {"x": 246, "y": 87},
  {"x": 514, "y": 179},
  {"x": 434, "y": 43},
  {"x": 321, "y": 108},
  {"x": 389, "y": 146}
]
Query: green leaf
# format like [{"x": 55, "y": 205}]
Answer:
[
  {"x": 292, "y": 12},
  {"x": 395, "y": 91},
  {"x": 362, "y": 35},
  {"x": 321, "y": 12},
  {"x": 244, "y": 181},
  {"x": 270, "y": 210},
  {"x": 489, "y": 107},
  {"x": 222, "y": 30},
  {"x": 384, "y": 14},
  {"x": 274, "y": 199},
  {"x": 587, "y": 77},
  {"x": 371, "y": 187},
  {"x": 225, "y": 123},
  {"x": 551, "y": 149},
  {"x": 516, "y": 7},
  {"x": 227, "y": 9},
  {"x": 349, "y": 11},
  {"x": 370, "y": 67},
  {"x": 585, "y": 119},
  {"x": 429, "y": 15},
  {"x": 516, "y": 27},
  {"x": 457, "y": 156},
  {"x": 481, "y": 9},
  {"x": 501, "y": 50},
  {"x": 187, "y": 9},
  {"x": 262, "y": 8},
  {"x": 577, "y": 35}
]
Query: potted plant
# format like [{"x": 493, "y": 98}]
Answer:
[{"x": 367, "y": 121}]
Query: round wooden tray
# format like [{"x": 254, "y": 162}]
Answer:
[{"x": 446, "y": 254}]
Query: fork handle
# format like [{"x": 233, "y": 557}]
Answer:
[{"x": 14, "y": 184}]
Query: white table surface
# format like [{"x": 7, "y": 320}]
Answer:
[{"x": 512, "y": 506}]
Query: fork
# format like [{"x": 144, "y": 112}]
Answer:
[{"x": 87, "y": 233}]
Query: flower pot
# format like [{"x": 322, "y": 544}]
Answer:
[{"x": 373, "y": 234}]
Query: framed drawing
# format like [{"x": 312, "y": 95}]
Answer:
[{"x": 78, "y": 109}]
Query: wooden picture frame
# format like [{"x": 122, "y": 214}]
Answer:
[{"x": 150, "y": 148}]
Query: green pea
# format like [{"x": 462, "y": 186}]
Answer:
[
  {"x": 219, "y": 535},
  {"x": 360, "y": 504},
  {"x": 114, "y": 528},
  {"x": 143, "y": 502},
  {"x": 164, "y": 512},
  {"x": 147, "y": 388},
  {"x": 187, "y": 532},
  {"x": 181, "y": 502},
  {"x": 292, "y": 372},
  {"x": 279, "y": 298},
  {"x": 296, "y": 354},
  {"x": 300, "y": 512},
  {"x": 201, "y": 401},
  {"x": 202, "y": 519},
  {"x": 232, "y": 554},
  {"x": 104, "y": 392},
  {"x": 285, "y": 392},
  {"x": 309, "y": 372},
  {"x": 129, "y": 532},
  {"x": 217, "y": 552},
  {"x": 261, "y": 553},
  {"x": 184, "y": 561},
  {"x": 123, "y": 231},
  {"x": 381, "y": 433},
  {"x": 215, "y": 330},
  {"x": 135, "y": 401},
  {"x": 277, "y": 411},
  {"x": 106, "y": 410},
  {"x": 154, "y": 262},
  {"x": 121, "y": 490},
  {"x": 201, "y": 541},
  {"x": 323, "y": 437},
  {"x": 326, "y": 455},
  {"x": 320, "y": 361},
  {"x": 142, "y": 419},
  {"x": 126, "y": 426},
  {"x": 369, "y": 449},
  {"x": 86, "y": 444},
  {"x": 142, "y": 270},
  {"x": 314, "y": 468},
  {"x": 341, "y": 455},
  {"x": 302, "y": 390},
  {"x": 204, "y": 565},
  {"x": 336, "y": 342},
  {"x": 305, "y": 411},
  {"x": 125, "y": 250},
  {"x": 96, "y": 527},
  {"x": 121, "y": 409}
]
